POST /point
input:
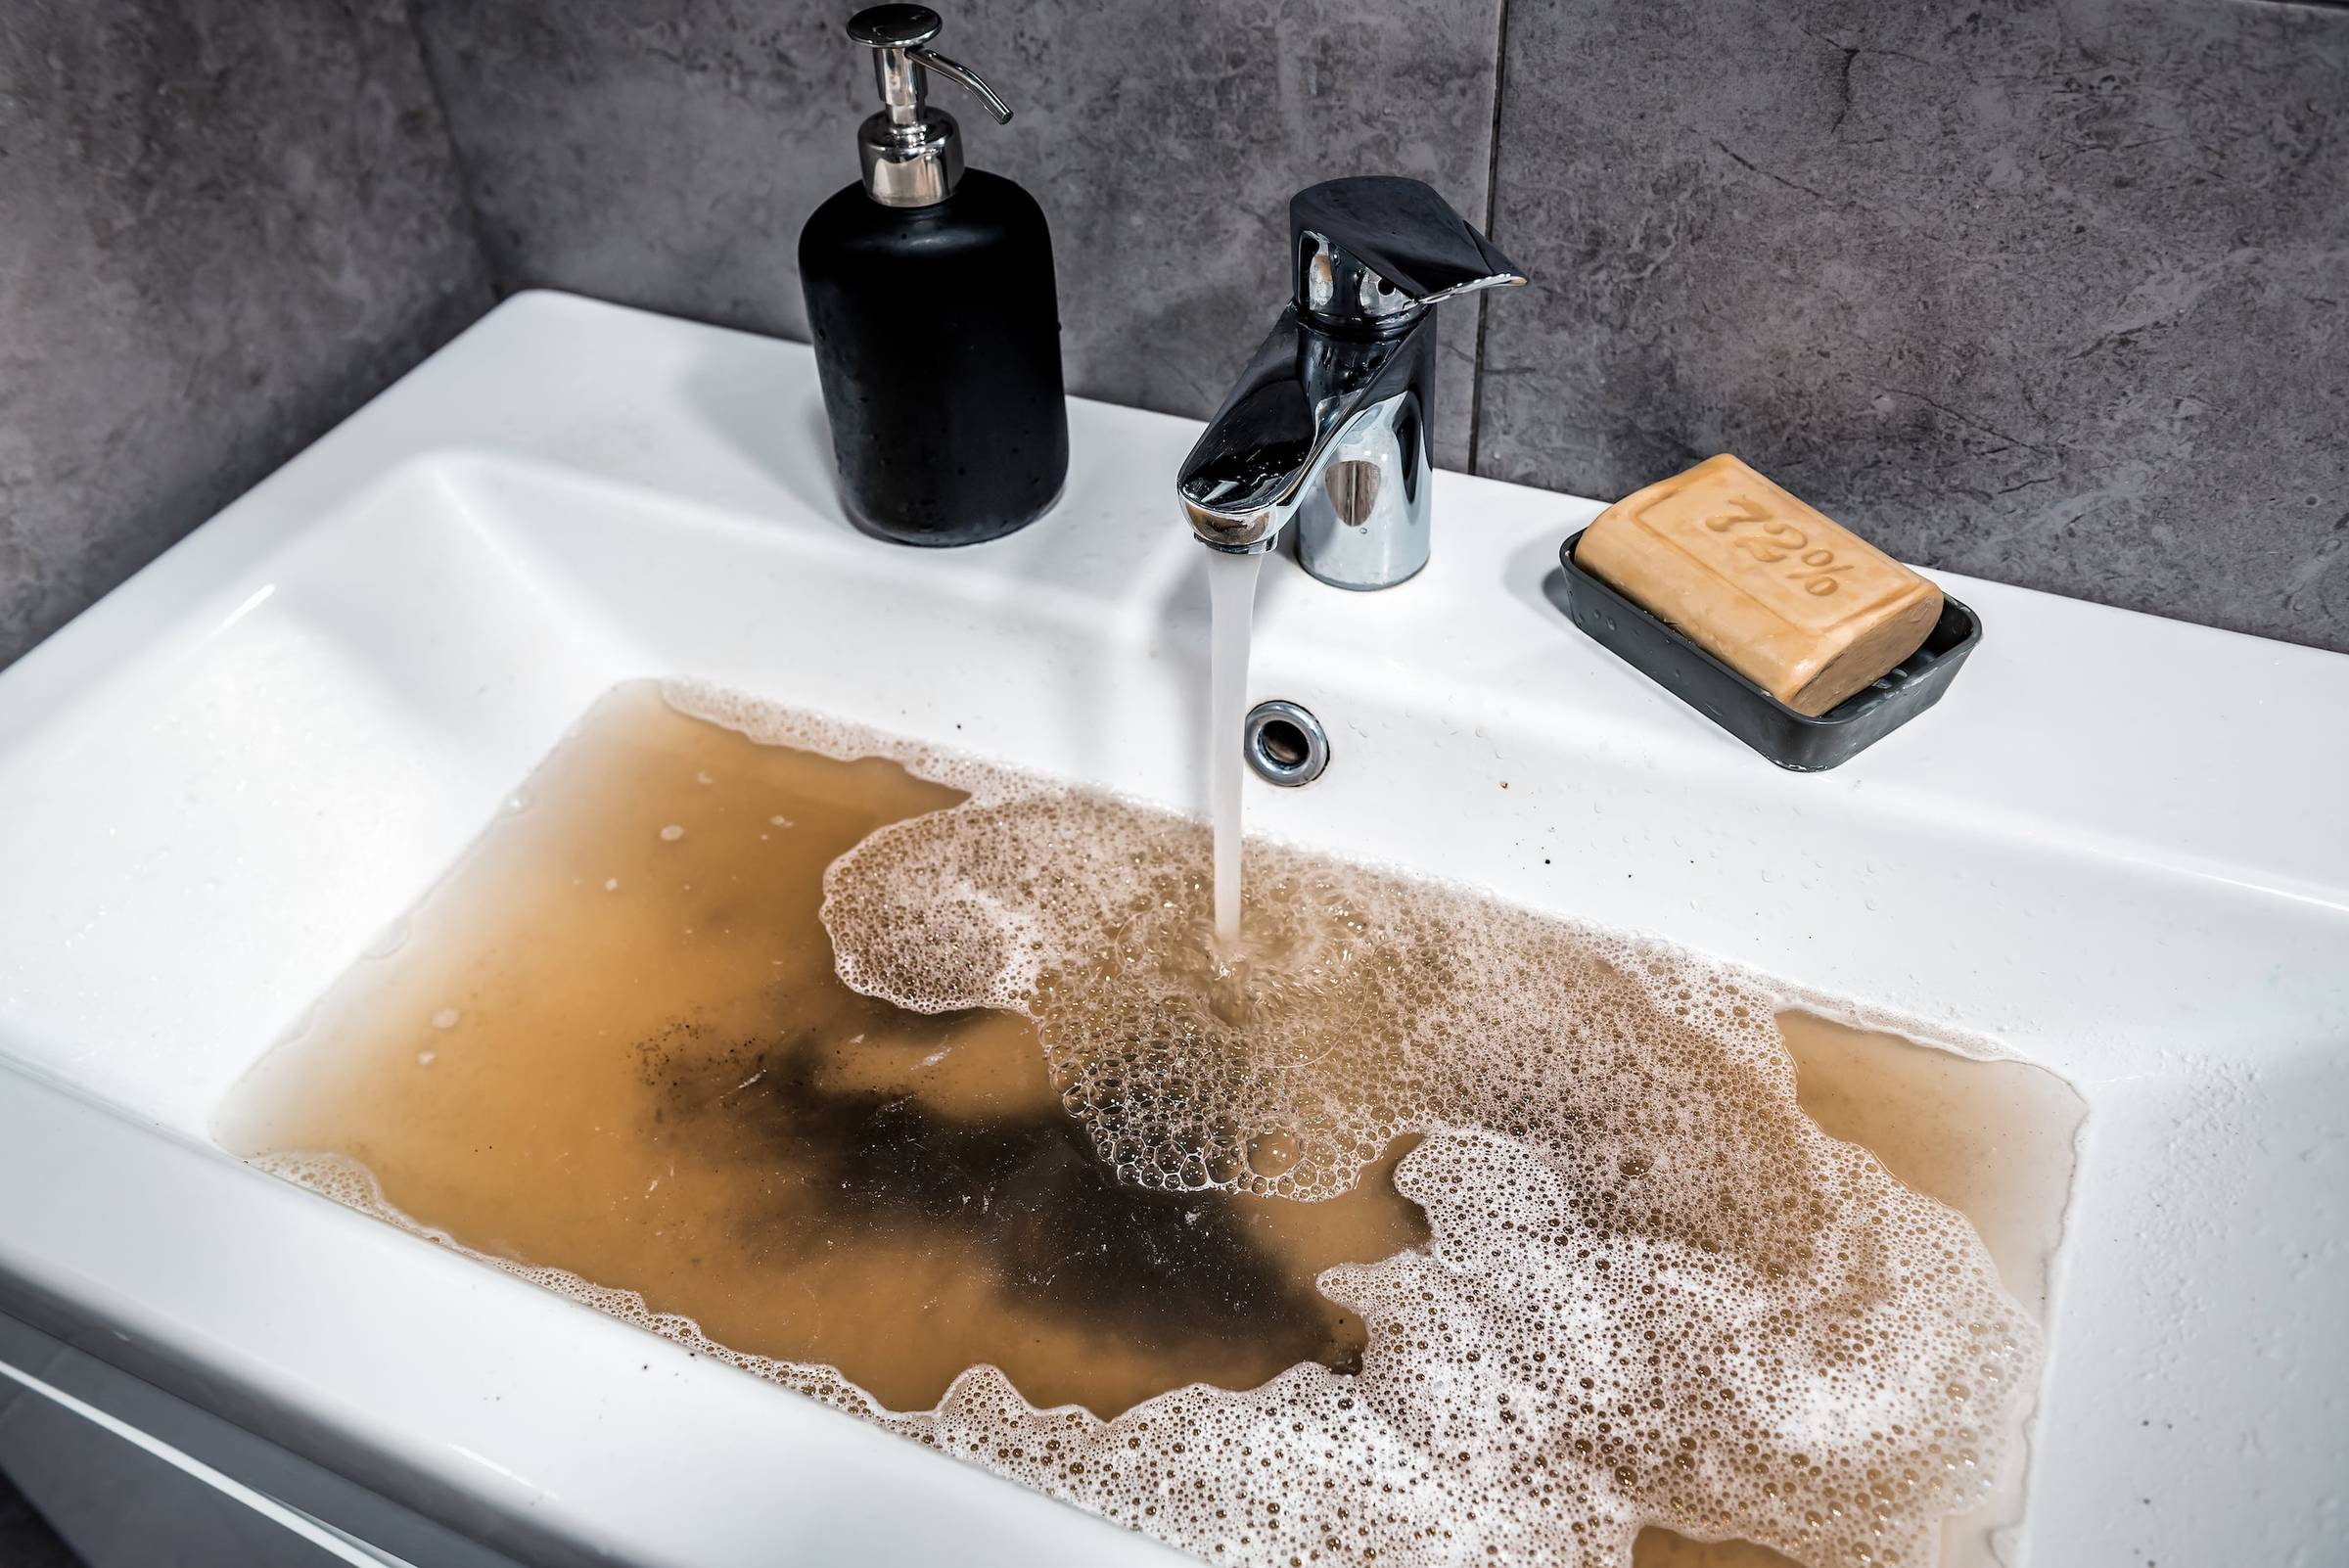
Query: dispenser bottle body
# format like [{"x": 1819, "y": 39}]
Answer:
[{"x": 936, "y": 334}]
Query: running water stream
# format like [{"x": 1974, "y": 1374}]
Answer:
[{"x": 1231, "y": 603}]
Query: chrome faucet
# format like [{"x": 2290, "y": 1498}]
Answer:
[{"x": 1330, "y": 425}]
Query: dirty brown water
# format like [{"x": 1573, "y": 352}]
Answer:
[
  {"x": 614, "y": 1047},
  {"x": 1992, "y": 1139}
]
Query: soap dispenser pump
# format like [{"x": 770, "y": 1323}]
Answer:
[{"x": 932, "y": 304}]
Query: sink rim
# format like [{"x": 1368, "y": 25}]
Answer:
[{"x": 609, "y": 438}]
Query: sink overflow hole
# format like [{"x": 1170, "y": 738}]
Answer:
[{"x": 1284, "y": 744}]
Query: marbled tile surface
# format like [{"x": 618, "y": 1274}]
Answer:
[
  {"x": 2049, "y": 290},
  {"x": 664, "y": 153},
  {"x": 223, "y": 225},
  {"x": 2045, "y": 289}
]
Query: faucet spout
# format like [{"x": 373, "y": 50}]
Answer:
[
  {"x": 1305, "y": 400},
  {"x": 1328, "y": 427}
]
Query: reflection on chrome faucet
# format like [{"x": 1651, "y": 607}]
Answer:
[{"x": 1329, "y": 425}]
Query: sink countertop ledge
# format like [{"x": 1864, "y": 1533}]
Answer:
[{"x": 221, "y": 782}]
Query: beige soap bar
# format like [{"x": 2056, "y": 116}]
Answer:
[{"x": 1795, "y": 601}]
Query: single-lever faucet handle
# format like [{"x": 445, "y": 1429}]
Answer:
[
  {"x": 1329, "y": 426},
  {"x": 896, "y": 35},
  {"x": 1374, "y": 249}
]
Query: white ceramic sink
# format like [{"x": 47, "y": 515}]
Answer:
[{"x": 2118, "y": 846}]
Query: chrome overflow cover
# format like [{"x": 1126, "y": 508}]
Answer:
[{"x": 1286, "y": 744}]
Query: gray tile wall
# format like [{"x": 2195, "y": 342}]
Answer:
[
  {"x": 223, "y": 225},
  {"x": 665, "y": 153},
  {"x": 2049, "y": 291}
]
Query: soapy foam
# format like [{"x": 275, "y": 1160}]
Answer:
[
  {"x": 984, "y": 782},
  {"x": 1655, "y": 1293}
]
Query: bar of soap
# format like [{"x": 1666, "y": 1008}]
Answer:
[{"x": 1792, "y": 600}]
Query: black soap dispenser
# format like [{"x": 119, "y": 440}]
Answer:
[{"x": 937, "y": 327}]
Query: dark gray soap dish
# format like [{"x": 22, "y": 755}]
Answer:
[{"x": 1792, "y": 740}]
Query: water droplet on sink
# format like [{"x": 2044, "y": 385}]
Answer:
[
  {"x": 671, "y": 833},
  {"x": 390, "y": 940}
]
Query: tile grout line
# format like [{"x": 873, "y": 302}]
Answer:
[
  {"x": 458, "y": 166},
  {"x": 1484, "y": 302}
]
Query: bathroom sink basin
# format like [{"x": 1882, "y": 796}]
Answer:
[{"x": 2116, "y": 848}]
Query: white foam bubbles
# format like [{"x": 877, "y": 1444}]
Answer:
[{"x": 1654, "y": 1292}]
